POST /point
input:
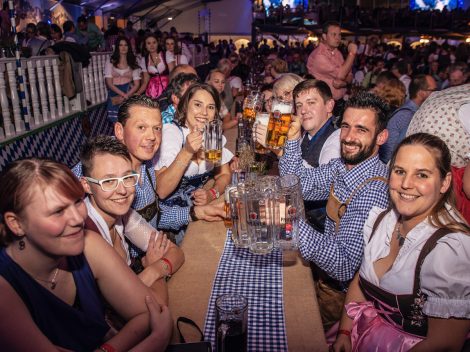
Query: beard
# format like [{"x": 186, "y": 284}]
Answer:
[{"x": 364, "y": 153}]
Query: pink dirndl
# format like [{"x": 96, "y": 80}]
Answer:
[
  {"x": 372, "y": 333},
  {"x": 157, "y": 84}
]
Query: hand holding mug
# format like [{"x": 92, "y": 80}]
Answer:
[
  {"x": 193, "y": 141},
  {"x": 295, "y": 129}
]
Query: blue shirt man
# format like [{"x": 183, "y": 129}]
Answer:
[{"x": 356, "y": 182}]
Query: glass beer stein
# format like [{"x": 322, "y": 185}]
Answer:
[{"x": 279, "y": 123}]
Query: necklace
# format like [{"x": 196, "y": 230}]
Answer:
[
  {"x": 400, "y": 238},
  {"x": 53, "y": 282}
]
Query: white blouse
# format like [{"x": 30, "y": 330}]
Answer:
[
  {"x": 136, "y": 229},
  {"x": 445, "y": 274},
  {"x": 180, "y": 59},
  {"x": 112, "y": 72},
  {"x": 172, "y": 143},
  {"x": 150, "y": 68}
]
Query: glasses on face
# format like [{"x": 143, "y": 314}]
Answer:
[{"x": 110, "y": 184}]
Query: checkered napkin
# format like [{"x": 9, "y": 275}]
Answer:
[{"x": 259, "y": 279}]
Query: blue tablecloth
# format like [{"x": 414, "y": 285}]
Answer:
[{"x": 259, "y": 279}]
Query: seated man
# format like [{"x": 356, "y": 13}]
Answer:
[
  {"x": 314, "y": 105},
  {"x": 109, "y": 181},
  {"x": 353, "y": 184},
  {"x": 176, "y": 89},
  {"x": 139, "y": 129}
]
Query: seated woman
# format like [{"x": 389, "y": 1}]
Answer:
[
  {"x": 412, "y": 291},
  {"x": 154, "y": 68},
  {"x": 216, "y": 79},
  {"x": 181, "y": 169},
  {"x": 53, "y": 273},
  {"x": 109, "y": 181},
  {"x": 122, "y": 76}
]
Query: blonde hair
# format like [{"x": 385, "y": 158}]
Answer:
[
  {"x": 286, "y": 82},
  {"x": 280, "y": 66},
  {"x": 393, "y": 93}
]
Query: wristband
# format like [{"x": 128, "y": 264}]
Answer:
[
  {"x": 192, "y": 213},
  {"x": 170, "y": 266},
  {"x": 106, "y": 347},
  {"x": 215, "y": 193},
  {"x": 344, "y": 332}
]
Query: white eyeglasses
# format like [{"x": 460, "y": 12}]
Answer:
[{"x": 110, "y": 184}]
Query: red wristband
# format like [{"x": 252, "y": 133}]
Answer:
[
  {"x": 344, "y": 332},
  {"x": 106, "y": 347},
  {"x": 169, "y": 265},
  {"x": 214, "y": 193}
]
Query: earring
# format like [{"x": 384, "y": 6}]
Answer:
[{"x": 22, "y": 245}]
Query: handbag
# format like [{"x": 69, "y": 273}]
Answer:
[{"x": 183, "y": 346}]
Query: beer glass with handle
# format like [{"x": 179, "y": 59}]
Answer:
[{"x": 279, "y": 123}]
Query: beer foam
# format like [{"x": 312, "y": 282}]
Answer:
[{"x": 282, "y": 107}]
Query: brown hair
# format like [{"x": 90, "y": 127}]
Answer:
[
  {"x": 18, "y": 182},
  {"x": 182, "y": 109},
  {"x": 440, "y": 216},
  {"x": 394, "y": 93}
]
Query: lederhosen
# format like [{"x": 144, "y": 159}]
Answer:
[
  {"x": 331, "y": 292},
  {"x": 182, "y": 195},
  {"x": 407, "y": 311}
]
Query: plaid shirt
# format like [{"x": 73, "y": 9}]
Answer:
[
  {"x": 172, "y": 218},
  {"x": 168, "y": 114},
  {"x": 338, "y": 254}
]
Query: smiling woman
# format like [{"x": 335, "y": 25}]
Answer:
[
  {"x": 415, "y": 261},
  {"x": 181, "y": 168},
  {"x": 53, "y": 273}
]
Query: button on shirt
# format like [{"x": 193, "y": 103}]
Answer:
[{"x": 338, "y": 254}]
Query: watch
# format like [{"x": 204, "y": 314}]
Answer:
[{"x": 192, "y": 213}]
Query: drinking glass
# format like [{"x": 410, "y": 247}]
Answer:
[
  {"x": 237, "y": 203},
  {"x": 213, "y": 141},
  {"x": 262, "y": 118},
  {"x": 253, "y": 103},
  {"x": 231, "y": 323},
  {"x": 289, "y": 209},
  {"x": 279, "y": 123},
  {"x": 259, "y": 220}
]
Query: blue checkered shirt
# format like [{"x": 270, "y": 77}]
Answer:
[
  {"x": 338, "y": 254},
  {"x": 168, "y": 114},
  {"x": 172, "y": 218}
]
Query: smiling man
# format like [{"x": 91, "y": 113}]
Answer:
[{"x": 352, "y": 184}]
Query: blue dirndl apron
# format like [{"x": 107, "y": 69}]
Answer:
[
  {"x": 113, "y": 109},
  {"x": 182, "y": 195}
]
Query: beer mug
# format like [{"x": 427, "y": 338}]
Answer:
[
  {"x": 288, "y": 209},
  {"x": 231, "y": 323},
  {"x": 262, "y": 119},
  {"x": 259, "y": 220},
  {"x": 238, "y": 217},
  {"x": 253, "y": 103},
  {"x": 213, "y": 141},
  {"x": 279, "y": 123}
]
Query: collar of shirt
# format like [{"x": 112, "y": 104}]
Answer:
[
  {"x": 410, "y": 104},
  {"x": 325, "y": 50},
  {"x": 371, "y": 167},
  {"x": 322, "y": 130}
]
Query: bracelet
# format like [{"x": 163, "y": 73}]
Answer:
[
  {"x": 168, "y": 263},
  {"x": 106, "y": 347},
  {"x": 344, "y": 332},
  {"x": 192, "y": 213},
  {"x": 215, "y": 193}
]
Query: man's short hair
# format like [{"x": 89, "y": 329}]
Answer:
[
  {"x": 366, "y": 100},
  {"x": 98, "y": 146},
  {"x": 419, "y": 82},
  {"x": 320, "y": 86},
  {"x": 82, "y": 19},
  {"x": 181, "y": 68},
  {"x": 68, "y": 26},
  {"x": 458, "y": 66},
  {"x": 402, "y": 67},
  {"x": 177, "y": 83},
  {"x": 135, "y": 100},
  {"x": 326, "y": 26}
]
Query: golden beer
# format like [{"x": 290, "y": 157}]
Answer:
[
  {"x": 277, "y": 129},
  {"x": 213, "y": 155},
  {"x": 249, "y": 114}
]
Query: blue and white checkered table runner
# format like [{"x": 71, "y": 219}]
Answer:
[{"x": 259, "y": 279}]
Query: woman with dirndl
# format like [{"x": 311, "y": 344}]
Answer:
[
  {"x": 181, "y": 168},
  {"x": 154, "y": 68},
  {"x": 122, "y": 76},
  {"x": 412, "y": 291}
]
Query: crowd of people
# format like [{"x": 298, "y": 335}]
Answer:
[{"x": 380, "y": 140}]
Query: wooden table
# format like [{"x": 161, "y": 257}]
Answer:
[{"x": 190, "y": 288}]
